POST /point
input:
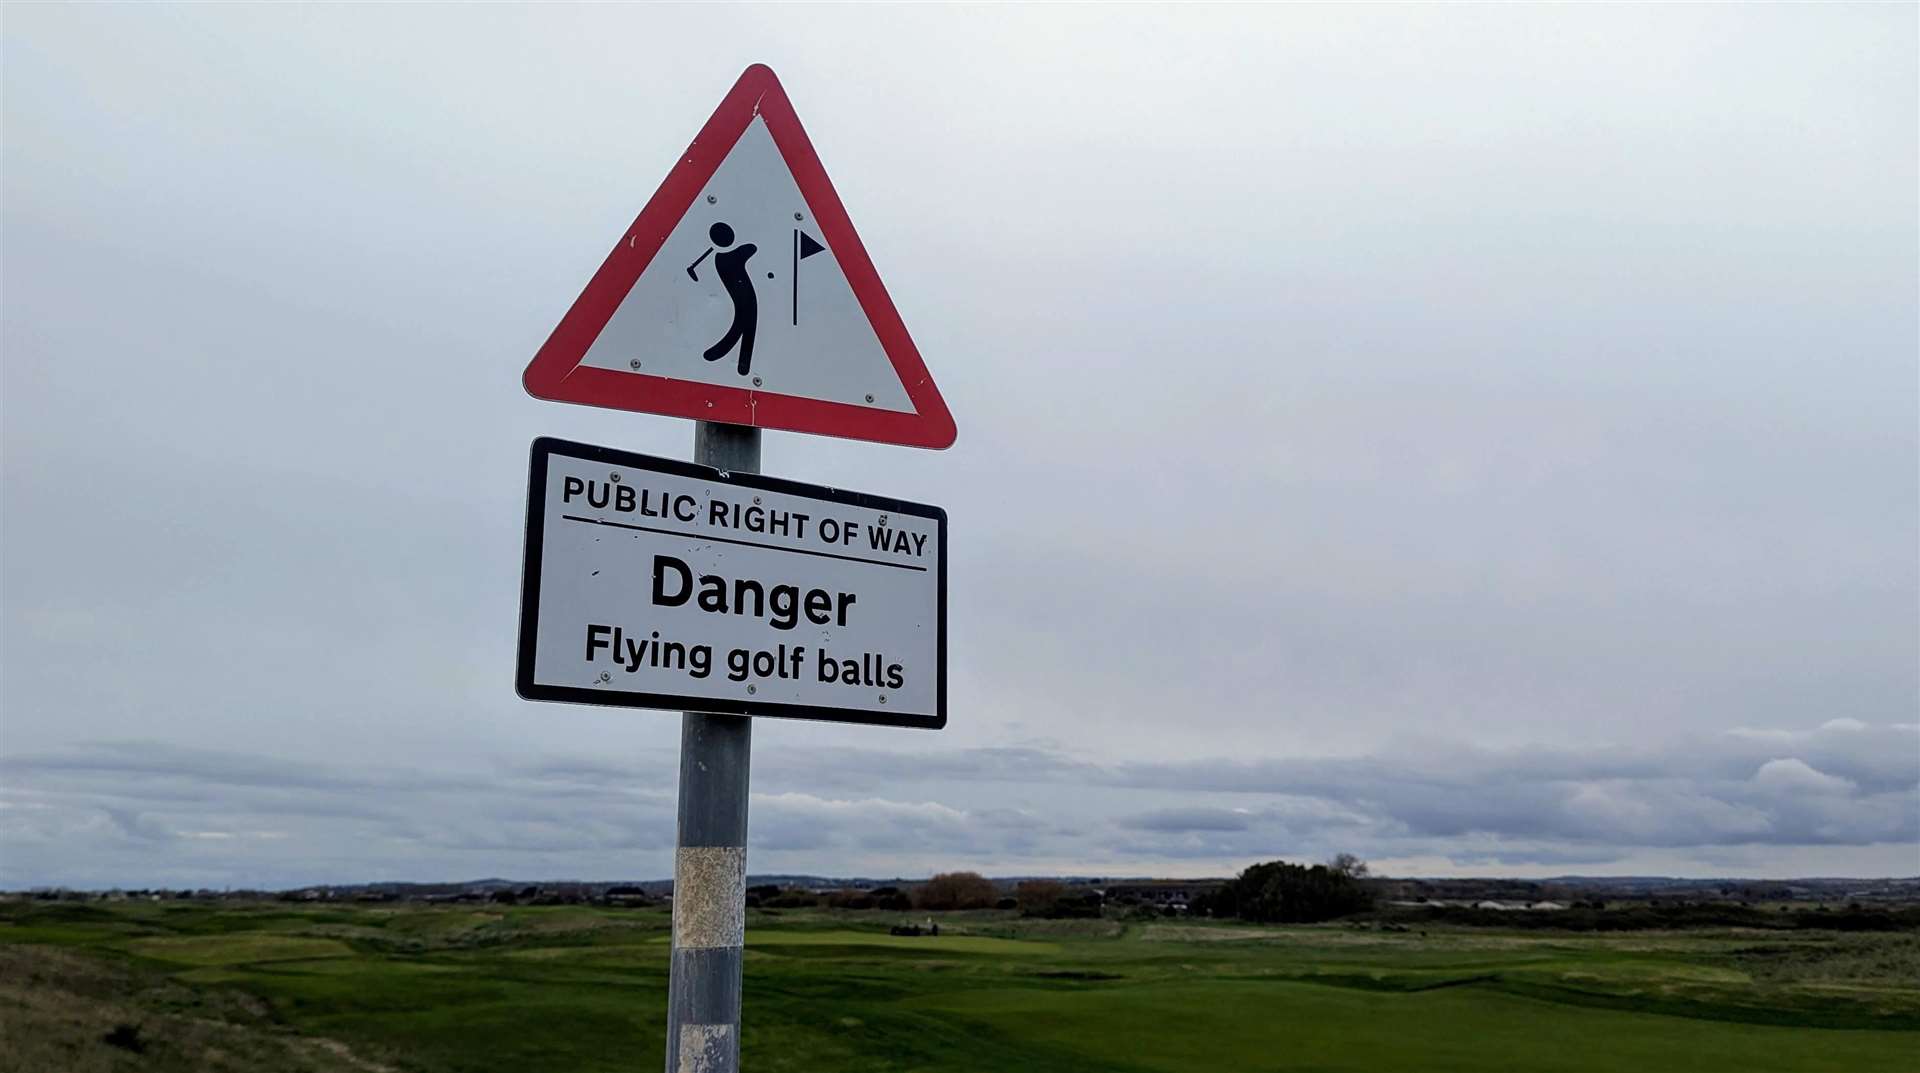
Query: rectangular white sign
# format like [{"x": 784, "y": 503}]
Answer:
[{"x": 653, "y": 583}]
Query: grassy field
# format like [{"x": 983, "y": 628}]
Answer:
[{"x": 270, "y": 986}]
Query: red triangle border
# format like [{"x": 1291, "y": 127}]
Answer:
[{"x": 556, "y": 374}]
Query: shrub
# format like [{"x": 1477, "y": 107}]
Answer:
[
  {"x": 1048, "y": 898},
  {"x": 792, "y": 898},
  {"x": 850, "y": 899},
  {"x": 1039, "y": 897},
  {"x": 956, "y": 890},
  {"x": 1279, "y": 892}
]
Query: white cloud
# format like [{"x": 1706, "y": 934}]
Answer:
[{"x": 1789, "y": 774}]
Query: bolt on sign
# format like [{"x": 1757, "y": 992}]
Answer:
[
  {"x": 654, "y": 583},
  {"x": 742, "y": 294}
]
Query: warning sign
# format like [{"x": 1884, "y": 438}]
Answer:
[
  {"x": 652, "y": 583},
  {"x": 742, "y": 294}
]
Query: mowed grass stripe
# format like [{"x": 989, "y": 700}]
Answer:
[
  {"x": 237, "y": 949},
  {"x": 1287, "y": 1025},
  {"x": 918, "y": 944}
]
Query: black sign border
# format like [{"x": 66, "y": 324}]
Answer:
[{"x": 545, "y": 447}]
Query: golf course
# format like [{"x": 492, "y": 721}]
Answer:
[{"x": 217, "y": 986}]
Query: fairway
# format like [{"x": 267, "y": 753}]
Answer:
[
  {"x": 1288, "y": 1025},
  {"x": 250, "y": 949},
  {"x": 876, "y": 941},
  {"x": 529, "y": 989}
]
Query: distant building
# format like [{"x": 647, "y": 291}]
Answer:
[{"x": 1174, "y": 894}]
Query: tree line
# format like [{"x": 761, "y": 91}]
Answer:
[{"x": 1273, "y": 892}]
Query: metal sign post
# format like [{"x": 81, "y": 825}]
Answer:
[
  {"x": 651, "y": 583},
  {"x": 710, "y": 858},
  {"x": 708, "y": 588}
]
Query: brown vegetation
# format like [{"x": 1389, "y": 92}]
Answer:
[
  {"x": 62, "y": 1011},
  {"x": 956, "y": 890},
  {"x": 1039, "y": 897}
]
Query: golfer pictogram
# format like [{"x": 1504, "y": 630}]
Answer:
[{"x": 731, "y": 263}]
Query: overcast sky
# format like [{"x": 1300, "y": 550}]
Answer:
[{"x": 1481, "y": 439}]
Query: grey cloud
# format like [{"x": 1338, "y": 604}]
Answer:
[
  {"x": 139, "y": 826},
  {"x": 1536, "y": 854},
  {"x": 278, "y": 822},
  {"x": 209, "y": 767},
  {"x": 1733, "y": 787},
  {"x": 798, "y": 821},
  {"x": 846, "y": 768},
  {"x": 1189, "y": 819},
  {"x": 1881, "y": 757},
  {"x": 1009, "y": 819},
  {"x": 993, "y": 808}
]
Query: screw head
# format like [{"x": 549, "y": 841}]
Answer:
[
  {"x": 756, "y": 381},
  {"x": 711, "y": 200},
  {"x": 869, "y": 398},
  {"x": 635, "y": 363},
  {"x": 797, "y": 216},
  {"x": 756, "y": 501},
  {"x": 614, "y": 477},
  {"x": 750, "y": 689},
  {"x": 883, "y": 698}
]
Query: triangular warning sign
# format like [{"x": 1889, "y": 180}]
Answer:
[{"x": 742, "y": 294}]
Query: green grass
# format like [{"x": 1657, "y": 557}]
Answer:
[
  {"x": 237, "y": 949},
  {"x": 1213, "y": 1024},
  {"x": 460, "y": 989},
  {"x": 873, "y": 942}
]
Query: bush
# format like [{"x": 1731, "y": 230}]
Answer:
[
  {"x": 956, "y": 890},
  {"x": 1039, "y": 897},
  {"x": 1048, "y": 898},
  {"x": 892, "y": 898},
  {"x": 792, "y": 898},
  {"x": 1278, "y": 892}
]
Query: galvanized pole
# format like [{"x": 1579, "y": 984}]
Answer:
[{"x": 710, "y": 863}]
